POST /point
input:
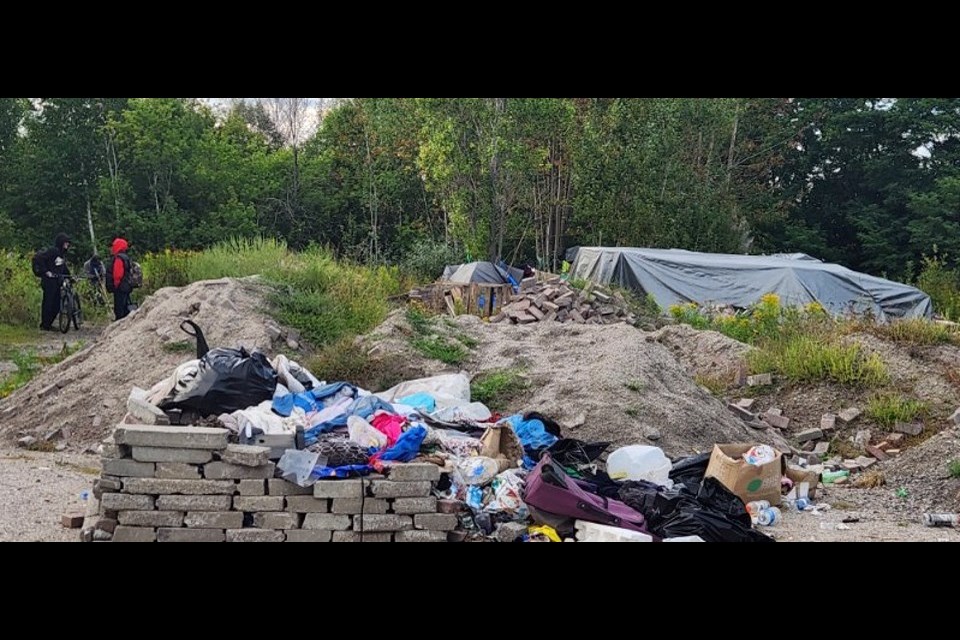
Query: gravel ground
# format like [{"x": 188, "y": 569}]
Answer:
[{"x": 38, "y": 488}]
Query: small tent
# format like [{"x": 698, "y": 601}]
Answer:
[
  {"x": 483, "y": 272},
  {"x": 674, "y": 276}
]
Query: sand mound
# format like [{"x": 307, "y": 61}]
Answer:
[
  {"x": 85, "y": 395},
  {"x": 704, "y": 353}
]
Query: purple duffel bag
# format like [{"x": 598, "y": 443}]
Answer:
[{"x": 548, "y": 488}]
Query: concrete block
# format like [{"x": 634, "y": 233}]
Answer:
[
  {"x": 126, "y": 502},
  {"x": 828, "y": 422},
  {"x": 281, "y": 487},
  {"x": 866, "y": 462},
  {"x": 275, "y": 520},
  {"x": 151, "y": 518},
  {"x": 391, "y": 489},
  {"x": 300, "y": 535},
  {"x": 352, "y": 505},
  {"x": 740, "y": 412},
  {"x": 327, "y": 521},
  {"x": 414, "y": 471},
  {"x": 213, "y": 519},
  {"x": 109, "y": 525},
  {"x": 745, "y": 403},
  {"x": 420, "y": 535},
  {"x": 134, "y": 534},
  {"x": 180, "y": 470},
  {"x": 415, "y": 505},
  {"x": 113, "y": 450},
  {"x": 775, "y": 420},
  {"x": 862, "y": 438},
  {"x": 127, "y": 468},
  {"x": 809, "y": 434},
  {"x": 759, "y": 380},
  {"x": 849, "y": 415},
  {"x": 821, "y": 448},
  {"x": 510, "y": 531},
  {"x": 109, "y": 484},
  {"x": 911, "y": 429},
  {"x": 390, "y": 522},
  {"x": 163, "y": 454},
  {"x": 435, "y": 521},
  {"x": 143, "y": 411},
  {"x": 255, "y": 535},
  {"x": 895, "y": 439},
  {"x": 224, "y": 470},
  {"x": 246, "y": 455},
  {"x": 339, "y": 488},
  {"x": 355, "y": 536},
  {"x": 258, "y": 503},
  {"x": 307, "y": 504},
  {"x": 172, "y": 437},
  {"x": 194, "y": 503},
  {"x": 190, "y": 535},
  {"x": 183, "y": 487},
  {"x": 252, "y": 487}
]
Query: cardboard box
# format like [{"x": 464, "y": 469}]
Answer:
[
  {"x": 749, "y": 482},
  {"x": 799, "y": 475}
]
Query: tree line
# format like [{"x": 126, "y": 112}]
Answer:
[{"x": 872, "y": 183}]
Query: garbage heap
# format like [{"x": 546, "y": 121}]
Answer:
[{"x": 555, "y": 299}]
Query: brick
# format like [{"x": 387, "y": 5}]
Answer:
[
  {"x": 391, "y": 489},
  {"x": 851, "y": 465},
  {"x": 895, "y": 439},
  {"x": 849, "y": 415},
  {"x": 809, "y": 434},
  {"x": 223, "y": 470},
  {"x": 144, "y": 412},
  {"x": 255, "y": 535},
  {"x": 190, "y": 535},
  {"x": 352, "y": 505},
  {"x": 276, "y": 520},
  {"x": 774, "y": 411},
  {"x": 414, "y": 471},
  {"x": 740, "y": 412},
  {"x": 339, "y": 488},
  {"x": 435, "y": 521},
  {"x": 821, "y": 448},
  {"x": 71, "y": 520},
  {"x": 213, "y": 520},
  {"x": 172, "y": 437},
  {"x": 415, "y": 505},
  {"x": 134, "y": 534},
  {"x": 314, "y": 535},
  {"x": 775, "y": 420},
  {"x": 328, "y": 521},
  {"x": 258, "y": 503},
  {"x": 420, "y": 535},
  {"x": 356, "y": 536},
  {"x": 252, "y": 487},
  {"x": 828, "y": 422},
  {"x": 163, "y": 454},
  {"x": 194, "y": 503},
  {"x": 390, "y": 522},
  {"x": 893, "y": 452},
  {"x": 126, "y": 502},
  {"x": 184, "y": 487},
  {"x": 510, "y": 531},
  {"x": 109, "y": 525},
  {"x": 759, "y": 380},
  {"x": 281, "y": 487},
  {"x": 877, "y": 452},
  {"x": 307, "y": 504},
  {"x": 181, "y": 470},
  {"x": 128, "y": 468},
  {"x": 745, "y": 403},
  {"x": 151, "y": 518},
  {"x": 246, "y": 455},
  {"x": 911, "y": 429},
  {"x": 866, "y": 462},
  {"x": 450, "y": 506}
]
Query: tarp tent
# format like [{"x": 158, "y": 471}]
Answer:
[
  {"x": 674, "y": 276},
  {"x": 484, "y": 272}
]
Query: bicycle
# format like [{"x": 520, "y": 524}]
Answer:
[{"x": 70, "y": 310}]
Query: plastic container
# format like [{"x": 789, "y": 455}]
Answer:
[
  {"x": 640, "y": 462},
  {"x": 941, "y": 519},
  {"x": 830, "y": 476},
  {"x": 755, "y": 507},
  {"x": 593, "y": 532},
  {"x": 769, "y": 517},
  {"x": 802, "y": 504}
]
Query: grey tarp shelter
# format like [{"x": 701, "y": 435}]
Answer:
[
  {"x": 674, "y": 276},
  {"x": 483, "y": 272}
]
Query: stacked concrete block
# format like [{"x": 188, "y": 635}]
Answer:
[{"x": 187, "y": 484}]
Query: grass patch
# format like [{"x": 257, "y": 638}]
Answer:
[
  {"x": 842, "y": 505},
  {"x": 20, "y": 293},
  {"x": 812, "y": 358},
  {"x": 178, "y": 347},
  {"x": 888, "y": 409},
  {"x": 953, "y": 468},
  {"x": 44, "y": 446},
  {"x": 636, "y": 385},
  {"x": 29, "y": 364},
  {"x": 344, "y": 360},
  {"x": 716, "y": 385},
  {"x": 917, "y": 332},
  {"x": 440, "y": 349},
  {"x": 496, "y": 388},
  {"x": 419, "y": 321},
  {"x": 633, "y": 412},
  {"x": 468, "y": 341}
]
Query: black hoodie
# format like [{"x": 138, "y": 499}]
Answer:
[{"x": 48, "y": 260}]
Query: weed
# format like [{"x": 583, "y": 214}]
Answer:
[{"x": 496, "y": 388}]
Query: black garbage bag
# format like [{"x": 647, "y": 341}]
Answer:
[
  {"x": 570, "y": 452},
  {"x": 689, "y": 471},
  {"x": 692, "y": 519},
  {"x": 197, "y": 333},
  {"x": 718, "y": 498},
  {"x": 227, "y": 380}
]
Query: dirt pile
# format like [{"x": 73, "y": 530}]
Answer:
[
  {"x": 601, "y": 382},
  {"x": 703, "y": 353},
  {"x": 85, "y": 395}
]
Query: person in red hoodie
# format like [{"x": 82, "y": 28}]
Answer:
[{"x": 118, "y": 278}]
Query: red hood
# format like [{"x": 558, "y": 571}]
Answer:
[{"x": 119, "y": 245}]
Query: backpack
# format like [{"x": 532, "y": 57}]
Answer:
[
  {"x": 136, "y": 275},
  {"x": 39, "y": 258}
]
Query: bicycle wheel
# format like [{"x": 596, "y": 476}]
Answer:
[
  {"x": 77, "y": 313},
  {"x": 66, "y": 310}
]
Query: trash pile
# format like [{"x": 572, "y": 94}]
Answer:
[
  {"x": 555, "y": 299},
  {"x": 235, "y": 446}
]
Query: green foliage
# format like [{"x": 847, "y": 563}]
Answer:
[
  {"x": 346, "y": 360},
  {"x": 420, "y": 321},
  {"x": 29, "y": 364},
  {"x": 20, "y": 293},
  {"x": 498, "y": 387},
  {"x": 716, "y": 385},
  {"x": 438, "y": 348},
  {"x": 942, "y": 284},
  {"x": 178, "y": 347},
  {"x": 917, "y": 331},
  {"x": 166, "y": 269},
  {"x": 425, "y": 258},
  {"x": 953, "y": 467},
  {"x": 887, "y": 409}
]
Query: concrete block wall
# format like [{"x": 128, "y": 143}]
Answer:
[{"x": 187, "y": 484}]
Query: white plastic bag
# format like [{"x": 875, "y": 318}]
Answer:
[{"x": 640, "y": 462}]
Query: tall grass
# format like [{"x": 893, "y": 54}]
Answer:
[
  {"x": 887, "y": 409},
  {"x": 20, "y": 293},
  {"x": 942, "y": 284}
]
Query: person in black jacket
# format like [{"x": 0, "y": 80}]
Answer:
[{"x": 50, "y": 265}]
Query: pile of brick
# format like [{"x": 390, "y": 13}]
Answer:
[
  {"x": 554, "y": 299},
  {"x": 187, "y": 484}
]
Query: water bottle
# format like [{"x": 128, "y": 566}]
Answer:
[
  {"x": 754, "y": 508},
  {"x": 769, "y": 517},
  {"x": 802, "y": 504},
  {"x": 940, "y": 519},
  {"x": 830, "y": 476}
]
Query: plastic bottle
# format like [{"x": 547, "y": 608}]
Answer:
[
  {"x": 802, "y": 504},
  {"x": 941, "y": 519},
  {"x": 754, "y": 508},
  {"x": 830, "y": 476},
  {"x": 769, "y": 517}
]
